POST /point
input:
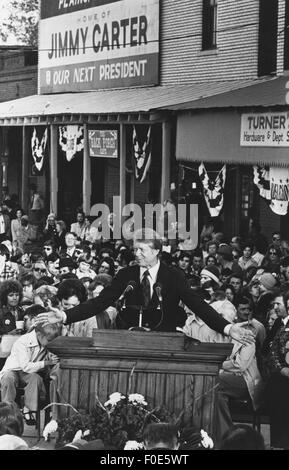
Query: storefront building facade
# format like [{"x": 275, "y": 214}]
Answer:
[{"x": 135, "y": 70}]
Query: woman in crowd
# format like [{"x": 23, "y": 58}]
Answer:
[
  {"x": 230, "y": 293},
  {"x": 11, "y": 293},
  {"x": 49, "y": 231},
  {"x": 246, "y": 260},
  {"x": 271, "y": 261},
  {"x": 16, "y": 225},
  {"x": 106, "y": 266},
  {"x": 60, "y": 235}
]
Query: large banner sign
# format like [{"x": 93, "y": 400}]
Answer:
[
  {"x": 95, "y": 44},
  {"x": 265, "y": 130}
]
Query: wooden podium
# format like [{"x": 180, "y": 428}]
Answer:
[{"x": 166, "y": 368}]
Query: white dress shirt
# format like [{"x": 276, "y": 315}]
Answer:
[{"x": 152, "y": 277}]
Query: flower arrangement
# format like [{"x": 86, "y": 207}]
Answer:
[{"x": 119, "y": 423}]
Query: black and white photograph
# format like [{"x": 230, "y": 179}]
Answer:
[{"x": 144, "y": 227}]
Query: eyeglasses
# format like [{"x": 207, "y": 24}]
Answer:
[{"x": 41, "y": 270}]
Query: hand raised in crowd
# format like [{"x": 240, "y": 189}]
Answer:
[
  {"x": 53, "y": 316},
  {"x": 241, "y": 334}
]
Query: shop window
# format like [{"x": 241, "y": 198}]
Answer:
[
  {"x": 247, "y": 196},
  {"x": 268, "y": 23},
  {"x": 209, "y": 36}
]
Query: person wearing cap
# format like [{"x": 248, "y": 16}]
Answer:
[
  {"x": 145, "y": 274},
  {"x": 267, "y": 282},
  {"x": 225, "y": 257},
  {"x": 210, "y": 273}
]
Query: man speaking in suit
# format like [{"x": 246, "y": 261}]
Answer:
[{"x": 143, "y": 298}]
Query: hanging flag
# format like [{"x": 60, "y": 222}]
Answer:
[
  {"x": 273, "y": 184},
  {"x": 262, "y": 180},
  {"x": 141, "y": 154},
  {"x": 38, "y": 149},
  {"x": 213, "y": 190},
  {"x": 71, "y": 140}
]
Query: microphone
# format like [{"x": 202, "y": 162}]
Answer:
[
  {"x": 158, "y": 291},
  {"x": 129, "y": 288}
]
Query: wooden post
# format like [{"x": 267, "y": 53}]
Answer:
[
  {"x": 25, "y": 169},
  {"x": 122, "y": 174},
  {"x": 53, "y": 169},
  {"x": 238, "y": 204},
  {"x": 166, "y": 161},
  {"x": 86, "y": 173}
]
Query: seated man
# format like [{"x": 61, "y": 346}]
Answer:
[
  {"x": 239, "y": 378},
  {"x": 28, "y": 358},
  {"x": 161, "y": 436}
]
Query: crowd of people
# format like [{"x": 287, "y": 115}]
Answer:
[{"x": 245, "y": 280}]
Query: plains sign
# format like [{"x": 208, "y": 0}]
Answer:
[{"x": 96, "y": 44}]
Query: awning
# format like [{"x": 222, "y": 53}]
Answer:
[
  {"x": 214, "y": 136},
  {"x": 118, "y": 103},
  {"x": 209, "y": 128},
  {"x": 258, "y": 93}
]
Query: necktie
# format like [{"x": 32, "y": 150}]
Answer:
[{"x": 146, "y": 289}]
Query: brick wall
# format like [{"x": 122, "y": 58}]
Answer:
[
  {"x": 236, "y": 57},
  {"x": 17, "y": 78},
  {"x": 18, "y": 83}
]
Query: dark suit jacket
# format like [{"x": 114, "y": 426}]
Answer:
[{"x": 174, "y": 289}]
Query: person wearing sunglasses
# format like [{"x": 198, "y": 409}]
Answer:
[
  {"x": 48, "y": 249},
  {"x": 271, "y": 261},
  {"x": 39, "y": 269}
]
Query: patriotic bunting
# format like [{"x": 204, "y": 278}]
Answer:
[
  {"x": 273, "y": 184},
  {"x": 213, "y": 190},
  {"x": 141, "y": 154},
  {"x": 38, "y": 148},
  {"x": 71, "y": 140}
]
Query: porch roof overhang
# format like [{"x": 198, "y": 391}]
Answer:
[
  {"x": 209, "y": 128},
  {"x": 109, "y": 106}
]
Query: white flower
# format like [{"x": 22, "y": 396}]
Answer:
[
  {"x": 137, "y": 398},
  {"x": 206, "y": 442},
  {"x": 114, "y": 398},
  {"x": 133, "y": 445},
  {"x": 50, "y": 428}
]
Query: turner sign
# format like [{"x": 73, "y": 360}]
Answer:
[
  {"x": 265, "y": 130},
  {"x": 96, "y": 44}
]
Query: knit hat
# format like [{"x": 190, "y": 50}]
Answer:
[
  {"x": 268, "y": 281},
  {"x": 226, "y": 250},
  {"x": 212, "y": 272}
]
